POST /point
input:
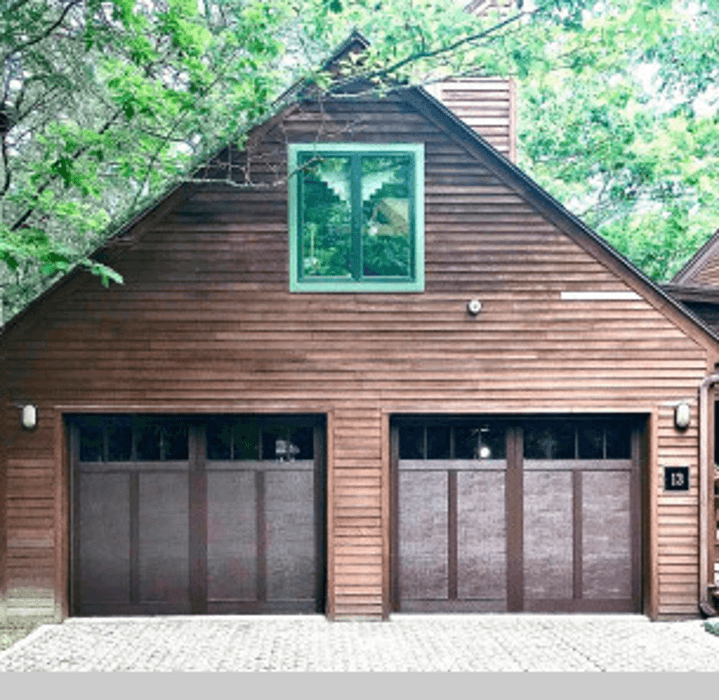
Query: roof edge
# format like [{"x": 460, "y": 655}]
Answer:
[
  {"x": 695, "y": 294},
  {"x": 542, "y": 195},
  {"x": 695, "y": 262}
]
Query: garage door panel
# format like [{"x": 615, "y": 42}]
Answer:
[
  {"x": 423, "y": 535},
  {"x": 164, "y": 537},
  {"x": 104, "y": 537},
  {"x": 290, "y": 517},
  {"x": 197, "y": 514},
  {"x": 528, "y": 513},
  {"x": 481, "y": 535},
  {"x": 606, "y": 535},
  {"x": 548, "y": 535},
  {"x": 231, "y": 536}
]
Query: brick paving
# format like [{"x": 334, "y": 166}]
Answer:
[{"x": 405, "y": 643}]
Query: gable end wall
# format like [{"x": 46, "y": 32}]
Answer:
[{"x": 205, "y": 324}]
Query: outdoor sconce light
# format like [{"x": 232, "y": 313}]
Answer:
[
  {"x": 682, "y": 416},
  {"x": 474, "y": 306},
  {"x": 28, "y": 416}
]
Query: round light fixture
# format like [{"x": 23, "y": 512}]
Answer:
[{"x": 474, "y": 306}]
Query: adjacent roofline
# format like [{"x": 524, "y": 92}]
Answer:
[
  {"x": 696, "y": 295},
  {"x": 356, "y": 40},
  {"x": 709, "y": 249}
]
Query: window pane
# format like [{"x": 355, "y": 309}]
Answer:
[
  {"x": 411, "y": 442},
  {"x": 219, "y": 441},
  {"x": 618, "y": 441},
  {"x": 303, "y": 439},
  {"x": 386, "y": 214},
  {"x": 493, "y": 442},
  {"x": 175, "y": 441},
  {"x": 91, "y": 442},
  {"x": 438, "y": 442},
  {"x": 591, "y": 442},
  {"x": 466, "y": 442},
  {"x": 479, "y": 442},
  {"x": 148, "y": 441},
  {"x": 119, "y": 440},
  {"x": 549, "y": 441},
  {"x": 326, "y": 215},
  {"x": 287, "y": 443},
  {"x": 246, "y": 442}
]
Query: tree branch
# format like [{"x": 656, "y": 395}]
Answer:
[
  {"x": 6, "y": 167},
  {"x": 48, "y": 30},
  {"x": 78, "y": 153},
  {"x": 450, "y": 47}
]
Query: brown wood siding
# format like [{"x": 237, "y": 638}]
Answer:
[
  {"x": 677, "y": 516},
  {"x": 30, "y": 519},
  {"x": 487, "y": 105},
  {"x": 204, "y": 323},
  {"x": 707, "y": 275}
]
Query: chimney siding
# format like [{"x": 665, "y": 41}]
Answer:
[{"x": 488, "y": 105}]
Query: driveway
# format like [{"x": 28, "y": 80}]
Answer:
[{"x": 405, "y": 643}]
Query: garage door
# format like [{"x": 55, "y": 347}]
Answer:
[
  {"x": 535, "y": 515},
  {"x": 177, "y": 515}
]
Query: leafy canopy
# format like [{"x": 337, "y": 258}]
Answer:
[{"x": 106, "y": 104}]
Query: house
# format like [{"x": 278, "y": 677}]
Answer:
[
  {"x": 696, "y": 286},
  {"x": 393, "y": 374}
]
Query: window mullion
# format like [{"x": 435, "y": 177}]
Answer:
[
  {"x": 356, "y": 220},
  {"x": 301, "y": 242},
  {"x": 412, "y": 214}
]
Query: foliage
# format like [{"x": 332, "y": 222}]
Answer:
[
  {"x": 623, "y": 127},
  {"x": 105, "y": 104}
]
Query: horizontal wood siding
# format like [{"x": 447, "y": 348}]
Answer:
[
  {"x": 205, "y": 323},
  {"x": 487, "y": 105},
  {"x": 707, "y": 275},
  {"x": 357, "y": 524},
  {"x": 678, "y": 515},
  {"x": 30, "y": 508}
]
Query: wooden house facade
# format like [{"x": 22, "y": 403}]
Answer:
[
  {"x": 481, "y": 417},
  {"x": 696, "y": 287}
]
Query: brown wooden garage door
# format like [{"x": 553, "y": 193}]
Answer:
[
  {"x": 534, "y": 515},
  {"x": 180, "y": 515}
]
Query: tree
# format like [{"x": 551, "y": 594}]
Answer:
[
  {"x": 105, "y": 105},
  {"x": 621, "y": 125}
]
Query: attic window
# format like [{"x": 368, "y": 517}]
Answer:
[{"x": 356, "y": 217}]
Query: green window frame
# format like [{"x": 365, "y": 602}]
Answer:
[{"x": 356, "y": 161}]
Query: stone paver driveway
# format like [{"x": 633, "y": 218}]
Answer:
[{"x": 406, "y": 643}]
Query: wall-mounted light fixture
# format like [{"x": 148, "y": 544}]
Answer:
[
  {"x": 682, "y": 415},
  {"x": 474, "y": 306},
  {"x": 28, "y": 416}
]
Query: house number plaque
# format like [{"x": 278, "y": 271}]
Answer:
[{"x": 676, "y": 478}]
